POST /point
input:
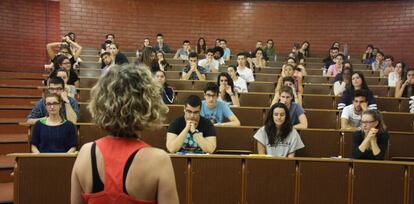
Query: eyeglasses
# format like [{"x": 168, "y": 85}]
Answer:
[
  {"x": 367, "y": 122},
  {"x": 210, "y": 95},
  {"x": 189, "y": 112},
  {"x": 356, "y": 101},
  {"x": 55, "y": 89},
  {"x": 52, "y": 104}
]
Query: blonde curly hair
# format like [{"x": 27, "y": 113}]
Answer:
[{"x": 127, "y": 99}]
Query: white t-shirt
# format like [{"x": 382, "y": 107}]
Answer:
[
  {"x": 246, "y": 74},
  {"x": 392, "y": 79},
  {"x": 282, "y": 148},
  {"x": 354, "y": 120},
  {"x": 213, "y": 65},
  {"x": 240, "y": 85},
  {"x": 339, "y": 87}
]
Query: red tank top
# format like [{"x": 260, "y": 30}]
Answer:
[{"x": 115, "y": 153}]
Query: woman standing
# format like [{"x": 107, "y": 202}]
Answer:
[
  {"x": 277, "y": 137},
  {"x": 120, "y": 167},
  {"x": 372, "y": 140},
  {"x": 53, "y": 133}
]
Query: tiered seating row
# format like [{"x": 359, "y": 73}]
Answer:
[
  {"x": 175, "y": 71},
  {"x": 254, "y": 116}
]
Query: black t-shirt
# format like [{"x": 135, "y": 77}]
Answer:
[
  {"x": 72, "y": 60},
  {"x": 73, "y": 77},
  {"x": 204, "y": 126},
  {"x": 120, "y": 59}
]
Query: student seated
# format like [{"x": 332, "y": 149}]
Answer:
[
  {"x": 277, "y": 137},
  {"x": 70, "y": 89},
  {"x": 343, "y": 81},
  {"x": 259, "y": 61},
  {"x": 371, "y": 141},
  {"x": 227, "y": 92},
  {"x": 192, "y": 71},
  {"x": 397, "y": 74},
  {"x": 64, "y": 49},
  {"x": 378, "y": 64},
  {"x": 242, "y": 69},
  {"x": 270, "y": 50},
  {"x": 167, "y": 92},
  {"x": 351, "y": 114},
  {"x": 240, "y": 84},
  {"x": 191, "y": 133},
  {"x": 290, "y": 82},
  {"x": 53, "y": 133},
  {"x": 118, "y": 57},
  {"x": 106, "y": 62},
  {"x": 183, "y": 52},
  {"x": 209, "y": 63},
  {"x": 227, "y": 52},
  {"x": 70, "y": 107},
  {"x": 296, "y": 112},
  {"x": 109, "y": 39},
  {"x": 62, "y": 62},
  {"x": 336, "y": 68},
  {"x": 405, "y": 86},
  {"x": 216, "y": 110},
  {"x": 357, "y": 83},
  {"x": 161, "y": 46}
]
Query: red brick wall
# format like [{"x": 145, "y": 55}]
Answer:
[
  {"x": 25, "y": 27},
  {"x": 388, "y": 25}
]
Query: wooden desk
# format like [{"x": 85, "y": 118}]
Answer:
[{"x": 41, "y": 178}]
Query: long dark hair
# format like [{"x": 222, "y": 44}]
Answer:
[
  {"x": 202, "y": 47},
  {"x": 146, "y": 56},
  {"x": 307, "y": 50},
  {"x": 165, "y": 76},
  {"x": 364, "y": 84},
  {"x": 402, "y": 68},
  {"x": 230, "y": 82},
  {"x": 273, "y": 134}
]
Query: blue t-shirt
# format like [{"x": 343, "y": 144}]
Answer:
[
  {"x": 50, "y": 139},
  {"x": 216, "y": 114},
  {"x": 295, "y": 111}
]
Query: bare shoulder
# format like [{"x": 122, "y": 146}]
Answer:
[
  {"x": 153, "y": 155},
  {"x": 83, "y": 155},
  {"x": 85, "y": 149}
]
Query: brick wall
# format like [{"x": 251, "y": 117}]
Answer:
[
  {"x": 25, "y": 27},
  {"x": 387, "y": 24}
]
